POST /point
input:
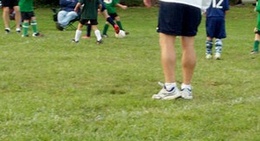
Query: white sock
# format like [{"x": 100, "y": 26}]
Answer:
[
  {"x": 77, "y": 35},
  {"x": 185, "y": 86},
  {"x": 169, "y": 86},
  {"x": 98, "y": 35}
]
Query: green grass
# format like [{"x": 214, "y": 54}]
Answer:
[{"x": 52, "y": 89}]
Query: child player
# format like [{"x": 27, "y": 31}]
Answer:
[
  {"x": 103, "y": 11},
  {"x": 111, "y": 9},
  {"x": 215, "y": 26},
  {"x": 28, "y": 16},
  {"x": 257, "y": 30},
  {"x": 88, "y": 16}
]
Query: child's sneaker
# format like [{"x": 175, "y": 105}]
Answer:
[
  {"x": 217, "y": 56},
  {"x": 74, "y": 41},
  {"x": 104, "y": 36},
  {"x": 99, "y": 42},
  {"x": 37, "y": 35},
  {"x": 7, "y": 30},
  {"x": 254, "y": 52},
  {"x": 186, "y": 93},
  {"x": 167, "y": 95},
  {"x": 25, "y": 35},
  {"x": 208, "y": 56},
  {"x": 18, "y": 30}
]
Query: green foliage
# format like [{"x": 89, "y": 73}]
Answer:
[{"x": 52, "y": 89}]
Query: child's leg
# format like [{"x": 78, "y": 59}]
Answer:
[
  {"x": 34, "y": 25},
  {"x": 108, "y": 18},
  {"x": 78, "y": 32},
  {"x": 218, "y": 45},
  {"x": 25, "y": 28},
  {"x": 256, "y": 43},
  {"x": 118, "y": 22},
  {"x": 257, "y": 36},
  {"x": 97, "y": 32},
  {"x": 17, "y": 18},
  {"x": 209, "y": 45},
  {"x": 111, "y": 21},
  {"x": 88, "y": 30},
  {"x": 6, "y": 18},
  {"x": 106, "y": 26}
]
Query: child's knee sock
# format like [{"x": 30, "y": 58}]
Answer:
[
  {"x": 218, "y": 45},
  {"x": 119, "y": 24},
  {"x": 111, "y": 21},
  {"x": 105, "y": 29},
  {"x": 25, "y": 28},
  {"x": 209, "y": 45},
  {"x": 34, "y": 26},
  {"x": 88, "y": 30},
  {"x": 256, "y": 44},
  {"x": 77, "y": 35},
  {"x": 98, "y": 35}
]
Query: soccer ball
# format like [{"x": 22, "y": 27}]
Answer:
[{"x": 121, "y": 34}]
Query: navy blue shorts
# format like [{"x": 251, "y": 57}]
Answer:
[
  {"x": 215, "y": 28},
  {"x": 178, "y": 19}
]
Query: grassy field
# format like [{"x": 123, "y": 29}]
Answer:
[{"x": 55, "y": 90}]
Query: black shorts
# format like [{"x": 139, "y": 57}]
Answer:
[
  {"x": 9, "y": 3},
  {"x": 27, "y": 15},
  {"x": 113, "y": 15},
  {"x": 88, "y": 21},
  {"x": 178, "y": 19}
]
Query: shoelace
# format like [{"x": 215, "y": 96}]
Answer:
[{"x": 161, "y": 84}]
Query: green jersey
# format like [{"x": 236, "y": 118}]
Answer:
[
  {"x": 111, "y": 6},
  {"x": 26, "y": 5},
  {"x": 89, "y": 10}
]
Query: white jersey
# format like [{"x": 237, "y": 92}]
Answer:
[{"x": 202, "y": 4}]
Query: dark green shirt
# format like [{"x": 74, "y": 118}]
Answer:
[
  {"x": 89, "y": 10},
  {"x": 26, "y": 5}
]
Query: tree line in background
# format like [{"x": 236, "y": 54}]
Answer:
[{"x": 46, "y": 3}]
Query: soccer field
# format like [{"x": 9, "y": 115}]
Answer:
[{"x": 54, "y": 90}]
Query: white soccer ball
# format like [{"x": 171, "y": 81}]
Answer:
[{"x": 121, "y": 34}]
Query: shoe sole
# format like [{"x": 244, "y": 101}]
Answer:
[
  {"x": 168, "y": 97},
  {"x": 188, "y": 97},
  {"x": 217, "y": 58}
]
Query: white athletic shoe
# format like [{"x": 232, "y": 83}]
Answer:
[
  {"x": 208, "y": 56},
  {"x": 217, "y": 56},
  {"x": 167, "y": 95},
  {"x": 186, "y": 93}
]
